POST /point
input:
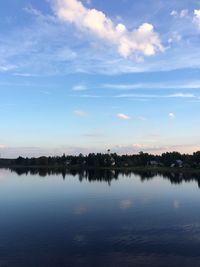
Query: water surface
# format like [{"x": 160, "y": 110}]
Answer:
[{"x": 98, "y": 219}]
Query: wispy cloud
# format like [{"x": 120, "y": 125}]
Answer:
[
  {"x": 156, "y": 85},
  {"x": 141, "y": 118},
  {"x": 180, "y": 95},
  {"x": 79, "y": 87},
  {"x": 144, "y": 97},
  {"x": 95, "y": 134},
  {"x": 174, "y": 38},
  {"x": 91, "y": 96},
  {"x": 24, "y": 74},
  {"x": 80, "y": 113},
  {"x": 177, "y": 95},
  {"x": 4, "y": 67},
  {"x": 123, "y": 116}
]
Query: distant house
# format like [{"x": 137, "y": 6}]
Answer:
[
  {"x": 68, "y": 162},
  {"x": 153, "y": 163},
  {"x": 178, "y": 163},
  {"x": 112, "y": 160},
  {"x": 125, "y": 164}
]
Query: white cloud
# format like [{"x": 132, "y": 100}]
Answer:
[
  {"x": 7, "y": 67},
  {"x": 177, "y": 95},
  {"x": 145, "y": 96},
  {"x": 79, "y": 87},
  {"x": 80, "y": 113},
  {"x": 180, "y": 95},
  {"x": 123, "y": 86},
  {"x": 154, "y": 85},
  {"x": 182, "y": 14},
  {"x": 141, "y": 118},
  {"x": 90, "y": 96},
  {"x": 174, "y": 38},
  {"x": 95, "y": 134},
  {"x": 174, "y": 13},
  {"x": 143, "y": 40},
  {"x": 196, "y": 18},
  {"x": 123, "y": 116},
  {"x": 24, "y": 74},
  {"x": 171, "y": 115}
]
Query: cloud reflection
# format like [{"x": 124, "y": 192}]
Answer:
[{"x": 126, "y": 204}]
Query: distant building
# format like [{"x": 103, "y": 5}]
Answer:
[
  {"x": 68, "y": 162},
  {"x": 178, "y": 163},
  {"x": 153, "y": 163},
  {"x": 110, "y": 161}
]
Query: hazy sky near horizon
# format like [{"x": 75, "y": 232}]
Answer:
[{"x": 85, "y": 76}]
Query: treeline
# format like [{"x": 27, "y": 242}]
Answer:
[{"x": 169, "y": 159}]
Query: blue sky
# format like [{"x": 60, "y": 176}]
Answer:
[{"x": 84, "y": 76}]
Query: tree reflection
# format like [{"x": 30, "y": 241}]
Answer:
[{"x": 108, "y": 175}]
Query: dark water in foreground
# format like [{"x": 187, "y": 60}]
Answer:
[{"x": 105, "y": 219}]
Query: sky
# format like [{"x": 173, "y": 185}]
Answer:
[{"x": 91, "y": 75}]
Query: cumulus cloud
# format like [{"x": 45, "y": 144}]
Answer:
[
  {"x": 123, "y": 116},
  {"x": 143, "y": 40},
  {"x": 196, "y": 18},
  {"x": 171, "y": 115}
]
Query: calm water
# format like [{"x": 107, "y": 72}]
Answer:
[{"x": 98, "y": 219}]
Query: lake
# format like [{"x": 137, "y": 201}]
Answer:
[{"x": 107, "y": 218}]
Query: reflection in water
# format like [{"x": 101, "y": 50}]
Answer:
[
  {"x": 141, "y": 220},
  {"x": 106, "y": 175}
]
